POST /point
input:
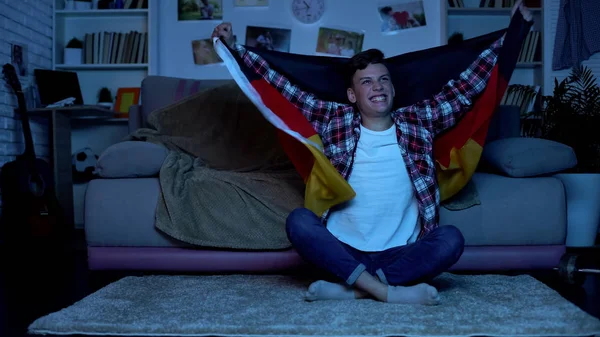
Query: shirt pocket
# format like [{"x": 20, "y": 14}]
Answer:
[{"x": 420, "y": 147}]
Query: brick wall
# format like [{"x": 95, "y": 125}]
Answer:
[{"x": 27, "y": 23}]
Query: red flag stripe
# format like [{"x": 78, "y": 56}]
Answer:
[
  {"x": 474, "y": 125},
  {"x": 281, "y": 107}
]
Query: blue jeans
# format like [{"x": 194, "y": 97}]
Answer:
[{"x": 405, "y": 265}]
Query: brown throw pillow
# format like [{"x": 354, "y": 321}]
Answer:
[{"x": 222, "y": 127}]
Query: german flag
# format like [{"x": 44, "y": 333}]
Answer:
[
  {"x": 416, "y": 76},
  {"x": 457, "y": 152}
]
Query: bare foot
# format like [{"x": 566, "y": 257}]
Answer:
[
  {"x": 419, "y": 294},
  {"x": 323, "y": 290}
]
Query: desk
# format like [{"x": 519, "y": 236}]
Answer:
[{"x": 60, "y": 144}]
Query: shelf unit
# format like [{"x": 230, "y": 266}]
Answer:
[
  {"x": 472, "y": 20},
  {"x": 92, "y": 77},
  {"x": 101, "y": 131}
]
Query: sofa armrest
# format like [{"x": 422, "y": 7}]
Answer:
[
  {"x": 131, "y": 159},
  {"x": 135, "y": 118}
]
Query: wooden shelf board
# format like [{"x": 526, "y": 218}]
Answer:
[
  {"x": 101, "y": 12},
  {"x": 529, "y": 64},
  {"x": 485, "y": 11},
  {"x": 98, "y": 66}
]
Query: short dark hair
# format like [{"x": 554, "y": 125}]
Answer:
[
  {"x": 386, "y": 10},
  {"x": 361, "y": 60}
]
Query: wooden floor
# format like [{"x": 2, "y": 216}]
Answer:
[{"x": 35, "y": 282}]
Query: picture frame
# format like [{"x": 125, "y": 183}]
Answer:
[
  {"x": 126, "y": 97},
  {"x": 397, "y": 16},
  {"x": 199, "y": 10},
  {"x": 270, "y": 38},
  {"x": 203, "y": 52},
  {"x": 18, "y": 58},
  {"x": 250, "y": 3},
  {"x": 339, "y": 42}
]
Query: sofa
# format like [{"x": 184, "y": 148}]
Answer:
[{"x": 520, "y": 223}]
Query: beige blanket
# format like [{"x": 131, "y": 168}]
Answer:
[{"x": 226, "y": 182}]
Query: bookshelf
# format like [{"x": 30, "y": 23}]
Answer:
[
  {"x": 102, "y": 71},
  {"x": 474, "y": 18},
  {"x": 100, "y": 132}
]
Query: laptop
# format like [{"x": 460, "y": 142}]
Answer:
[{"x": 56, "y": 85}]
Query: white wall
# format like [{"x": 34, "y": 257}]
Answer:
[
  {"x": 28, "y": 23},
  {"x": 175, "y": 37}
]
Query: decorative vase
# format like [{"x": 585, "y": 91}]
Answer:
[
  {"x": 73, "y": 56},
  {"x": 83, "y": 5},
  {"x": 583, "y": 207}
]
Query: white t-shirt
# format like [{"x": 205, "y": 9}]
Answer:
[{"x": 384, "y": 213}]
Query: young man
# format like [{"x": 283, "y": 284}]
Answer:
[{"x": 386, "y": 242}]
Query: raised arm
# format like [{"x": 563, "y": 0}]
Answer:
[
  {"x": 315, "y": 110},
  {"x": 445, "y": 108}
]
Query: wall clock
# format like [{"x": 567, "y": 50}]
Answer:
[{"x": 308, "y": 11}]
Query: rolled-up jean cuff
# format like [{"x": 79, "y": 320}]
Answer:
[
  {"x": 381, "y": 276},
  {"x": 355, "y": 274}
]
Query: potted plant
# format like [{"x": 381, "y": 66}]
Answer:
[
  {"x": 74, "y": 52},
  {"x": 105, "y": 98},
  {"x": 456, "y": 38},
  {"x": 571, "y": 116}
]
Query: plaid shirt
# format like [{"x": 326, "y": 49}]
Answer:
[{"x": 338, "y": 124}]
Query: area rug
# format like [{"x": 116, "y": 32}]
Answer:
[{"x": 270, "y": 305}]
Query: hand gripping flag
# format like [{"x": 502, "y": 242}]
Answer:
[{"x": 416, "y": 76}]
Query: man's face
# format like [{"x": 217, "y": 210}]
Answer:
[{"x": 372, "y": 90}]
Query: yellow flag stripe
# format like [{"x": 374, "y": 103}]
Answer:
[
  {"x": 325, "y": 186},
  {"x": 461, "y": 168}
]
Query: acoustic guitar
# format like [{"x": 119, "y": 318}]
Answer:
[{"x": 30, "y": 209}]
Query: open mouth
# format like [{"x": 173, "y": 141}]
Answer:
[{"x": 378, "y": 98}]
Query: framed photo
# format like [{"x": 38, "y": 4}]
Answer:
[
  {"x": 339, "y": 42},
  {"x": 199, "y": 10},
  {"x": 250, "y": 3},
  {"x": 399, "y": 16},
  {"x": 269, "y": 38},
  {"x": 204, "y": 52},
  {"x": 18, "y": 58},
  {"x": 126, "y": 97}
]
